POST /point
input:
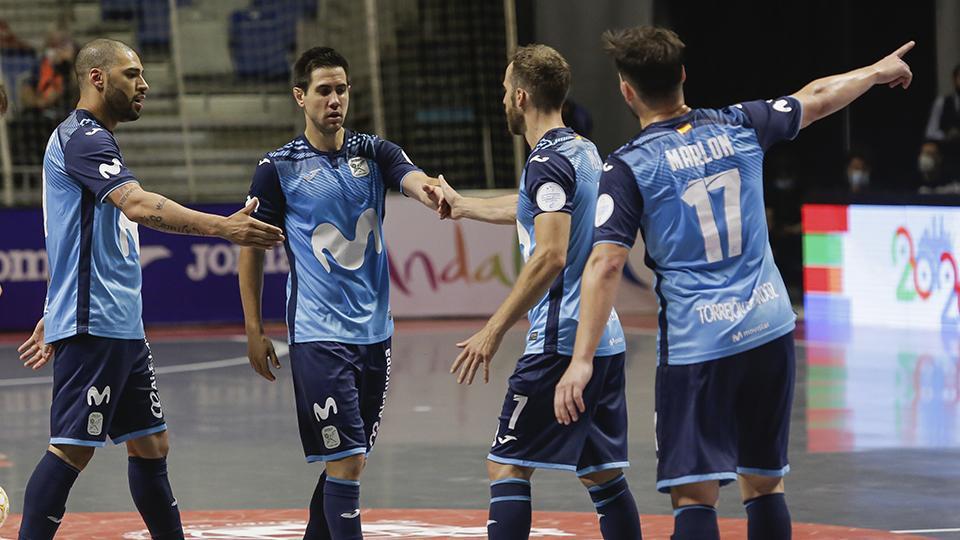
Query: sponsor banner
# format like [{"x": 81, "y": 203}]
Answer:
[
  {"x": 437, "y": 269},
  {"x": 883, "y": 266}
]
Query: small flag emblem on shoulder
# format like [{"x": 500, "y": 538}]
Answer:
[{"x": 684, "y": 129}]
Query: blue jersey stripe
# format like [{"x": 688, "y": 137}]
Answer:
[
  {"x": 553, "y": 316},
  {"x": 292, "y": 300}
]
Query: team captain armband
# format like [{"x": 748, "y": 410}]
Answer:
[{"x": 619, "y": 206}]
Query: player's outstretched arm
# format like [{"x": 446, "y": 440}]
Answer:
[
  {"x": 416, "y": 185},
  {"x": 601, "y": 279},
  {"x": 825, "y": 96},
  {"x": 157, "y": 212},
  {"x": 500, "y": 210},
  {"x": 552, "y": 230},
  {"x": 260, "y": 350}
]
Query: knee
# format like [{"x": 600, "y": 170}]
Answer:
[
  {"x": 700, "y": 493},
  {"x": 599, "y": 478},
  {"x": 753, "y": 486},
  {"x": 76, "y": 456},
  {"x": 499, "y": 471},
  {"x": 348, "y": 468},
  {"x": 155, "y": 446}
]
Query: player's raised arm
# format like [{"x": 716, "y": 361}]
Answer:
[
  {"x": 501, "y": 210},
  {"x": 158, "y": 212},
  {"x": 828, "y": 95}
]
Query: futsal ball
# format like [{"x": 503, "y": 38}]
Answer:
[{"x": 4, "y": 506}]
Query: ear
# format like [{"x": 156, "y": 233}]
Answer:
[
  {"x": 683, "y": 74},
  {"x": 626, "y": 90},
  {"x": 298, "y": 95},
  {"x": 522, "y": 98},
  {"x": 98, "y": 78}
]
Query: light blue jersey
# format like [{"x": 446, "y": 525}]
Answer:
[
  {"x": 693, "y": 185},
  {"x": 562, "y": 175},
  {"x": 93, "y": 249},
  {"x": 331, "y": 208}
]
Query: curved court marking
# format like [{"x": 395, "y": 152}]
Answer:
[
  {"x": 387, "y": 523},
  {"x": 281, "y": 348}
]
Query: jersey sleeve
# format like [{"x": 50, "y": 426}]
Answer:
[
  {"x": 266, "y": 188},
  {"x": 619, "y": 206},
  {"x": 774, "y": 120},
  {"x": 550, "y": 182},
  {"x": 92, "y": 158},
  {"x": 394, "y": 164}
]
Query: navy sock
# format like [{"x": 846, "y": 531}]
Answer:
[
  {"x": 509, "y": 510},
  {"x": 45, "y": 500},
  {"x": 150, "y": 488},
  {"x": 619, "y": 518},
  {"x": 317, "y": 526},
  {"x": 695, "y": 522},
  {"x": 768, "y": 517},
  {"x": 341, "y": 506}
]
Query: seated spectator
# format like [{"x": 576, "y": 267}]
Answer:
[
  {"x": 858, "y": 174},
  {"x": 943, "y": 126},
  {"x": 52, "y": 89}
]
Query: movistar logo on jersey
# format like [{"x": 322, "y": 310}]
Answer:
[
  {"x": 349, "y": 254},
  {"x": 110, "y": 169}
]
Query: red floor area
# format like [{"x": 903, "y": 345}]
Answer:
[{"x": 397, "y": 523}]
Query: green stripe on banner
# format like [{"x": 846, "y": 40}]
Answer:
[{"x": 822, "y": 250}]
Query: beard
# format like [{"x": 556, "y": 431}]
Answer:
[
  {"x": 515, "y": 121},
  {"x": 119, "y": 105}
]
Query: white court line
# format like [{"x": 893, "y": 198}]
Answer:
[
  {"x": 923, "y": 531},
  {"x": 280, "y": 348}
]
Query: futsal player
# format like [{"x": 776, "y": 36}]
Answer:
[
  {"x": 104, "y": 383},
  {"x": 326, "y": 188},
  {"x": 691, "y": 182},
  {"x": 553, "y": 213}
]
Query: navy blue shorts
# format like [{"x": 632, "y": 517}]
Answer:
[
  {"x": 529, "y": 435},
  {"x": 341, "y": 390},
  {"x": 725, "y": 417},
  {"x": 103, "y": 386}
]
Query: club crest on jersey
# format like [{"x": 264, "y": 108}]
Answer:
[
  {"x": 604, "y": 209},
  {"x": 359, "y": 167}
]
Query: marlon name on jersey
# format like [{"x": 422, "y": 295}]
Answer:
[
  {"x": 697, "y": 155},
  {"x": 734, "y": 310}
]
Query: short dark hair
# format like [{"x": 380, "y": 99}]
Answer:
[
  {"x": 317, "y": 57},
  {"x": 650, "y": 58},
  {"x": 543, "y": 72},
  {"x": 101, "y": 53}
]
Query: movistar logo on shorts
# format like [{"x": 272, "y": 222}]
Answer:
[
  {"x": 348, "y": 254},
  {"x": 322, "y": 413},
  {"x": 96, "y": 396}
]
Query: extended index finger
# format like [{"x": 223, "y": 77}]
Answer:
[{"x": 905, "y": 48}]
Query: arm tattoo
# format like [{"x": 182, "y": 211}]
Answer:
[
  {"x": 161, "y": 203},
  {"x": 157, "y": 222},
  {"x": 125, "y": 194}
]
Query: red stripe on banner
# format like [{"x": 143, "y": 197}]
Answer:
[
  {"x": 824, "y": 218},
  {"x": 822, "y": 279}
]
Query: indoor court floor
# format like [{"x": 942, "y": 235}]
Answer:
[{"x": 875, "y": 442}]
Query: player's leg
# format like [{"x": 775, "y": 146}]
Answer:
[
  {"x": 326, "y": 380},
  {"x": 510, "y": 513},
  {"x": 605, "y": 451},
  {"x": 695, "y": 511},
  {"x": 696, "y": 441},
  {"x": 764, "y": 416},
  {"x": 139, "y": 422},
  {"x": 83, "y": 373}
]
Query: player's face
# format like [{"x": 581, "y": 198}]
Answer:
[
  {"x": 125, "y": 88},
  {"x": 326, "y": 100},
  {"x": 515, "y": 121}
]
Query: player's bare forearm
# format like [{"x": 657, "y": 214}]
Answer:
[
  {"x": 413, "y": 187},
  {"x": 828, "y": 95},
  {"x": 158, "y": 212},
  {"x": 250, "y": 275},
  {"x": 499, "y": 210},
  {"x": 536, "y": 277},
  {"x": 598, "y": 289}
]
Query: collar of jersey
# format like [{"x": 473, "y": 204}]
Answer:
[
  {"x": 669, "y": 123},
  {"x": 343, "y": 147},
  {"x": 85, "y": 114},
  {"x": 551, "y": 136}
]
